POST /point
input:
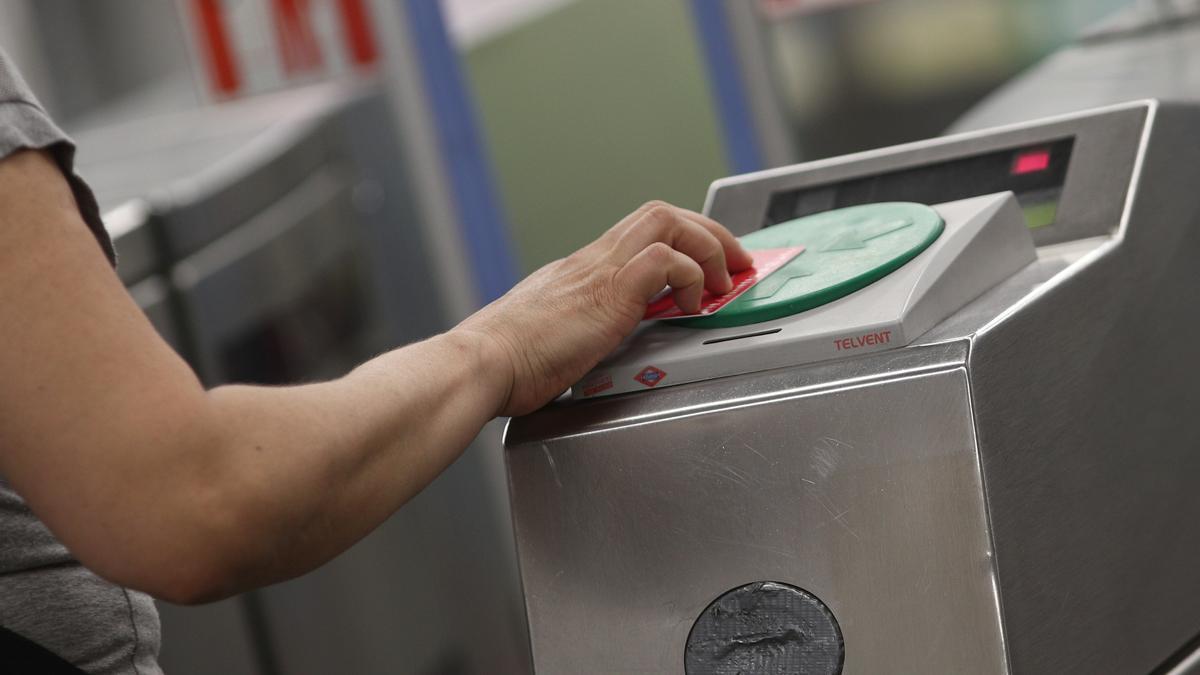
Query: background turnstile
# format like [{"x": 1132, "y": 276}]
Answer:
[
  {"x": 1149, "y": 50},
  {"x": 275, "y": 240}
]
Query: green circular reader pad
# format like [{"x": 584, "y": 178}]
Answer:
[{"x": 844, "y": 250}]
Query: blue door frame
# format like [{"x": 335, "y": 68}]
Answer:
[
  {"x": 480, "y": 212},
  {"x": 716, "y": 40}
]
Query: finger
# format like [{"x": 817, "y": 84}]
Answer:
[
  {"x": 659, "y": 265},
  {"x": 668, "y": 225},
  {"x": 603, "y": 245},
  {"x": 735, "y": 255},
  {"x": 630, "y": 220},
  {"x": 650, "y": 212}
]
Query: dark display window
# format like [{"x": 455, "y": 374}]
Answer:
[{"x": 1035, "y": 173}]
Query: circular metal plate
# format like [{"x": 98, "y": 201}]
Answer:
[{"x": 765, "y": 628}]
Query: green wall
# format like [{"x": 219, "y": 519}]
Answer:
[{"x": 590, "y": 111}]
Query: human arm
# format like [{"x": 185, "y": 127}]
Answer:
[{"x": 192, "y": 495}]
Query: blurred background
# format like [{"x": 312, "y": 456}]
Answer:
[{"x": 295, "y": 185}]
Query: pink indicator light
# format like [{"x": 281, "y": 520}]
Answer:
[{"x": 1031, "y": 161}]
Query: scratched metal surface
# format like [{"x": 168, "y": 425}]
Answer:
[
  {"x": 1078, "y": 376},
  {"x": 865, "y": 494},
  {"x": 1086, "y": 405}
]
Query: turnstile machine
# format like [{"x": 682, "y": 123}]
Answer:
[{"x": 954, "y": 435}]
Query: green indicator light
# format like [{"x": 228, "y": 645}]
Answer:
[{"x": 1040, "y": 215}]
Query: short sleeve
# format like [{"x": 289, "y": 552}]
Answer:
[{"x": 24, "y": 124}]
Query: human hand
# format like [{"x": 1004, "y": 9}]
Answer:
[{"x": 554, "y": 326}]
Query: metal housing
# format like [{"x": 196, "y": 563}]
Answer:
[{"x": 1011, "y": 493}]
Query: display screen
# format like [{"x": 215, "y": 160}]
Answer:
[{"x": 1035, "y": 173}]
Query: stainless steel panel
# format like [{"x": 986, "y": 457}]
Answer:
[
  {"x": 1085, "y": 400},
  {"x": 867, "y": 495}
]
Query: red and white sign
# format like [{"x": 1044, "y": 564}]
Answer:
[
  {"x": 250, "y": 46},
  {"x": 650, "y": 376},
  {"x": 596, "y": 384},
  {"x": 766, "y": 261}
]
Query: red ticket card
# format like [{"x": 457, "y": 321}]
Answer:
[{"x": 766, "y": 261}]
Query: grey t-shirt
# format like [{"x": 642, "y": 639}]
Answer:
[{"x": 45, "y": 594}]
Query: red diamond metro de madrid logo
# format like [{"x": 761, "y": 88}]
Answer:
[{"x": 650, "y": 376}]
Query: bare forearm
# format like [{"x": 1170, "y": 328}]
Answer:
[
  {"x": 244, "y": 486},
  {"x": 314, "y": 468},
  {"x": 157, "y": 484}
]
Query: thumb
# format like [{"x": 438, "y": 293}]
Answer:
[{"x": 656, "y": 266}]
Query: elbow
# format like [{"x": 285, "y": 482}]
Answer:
[
  {"x": 190, "y": 585},
  {"x": 201, "y": 565},
  {"x": 179, "y": 580},
  {"x": 183, "y": 578},
  {"x": 178, "y": 523},
  {"x": 186, "y": 558},
  {"x": 191, "y": 595}
]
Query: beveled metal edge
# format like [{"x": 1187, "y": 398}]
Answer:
[
  {"x": 564, "y": 419},
  {"x": 994, "y": 575}
]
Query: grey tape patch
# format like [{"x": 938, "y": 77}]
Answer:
[{"x": 765, "y": 628}]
